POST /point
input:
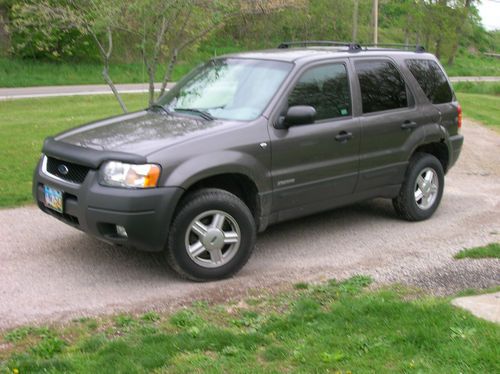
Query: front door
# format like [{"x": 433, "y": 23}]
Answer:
[{"x": 314, "y": 163}]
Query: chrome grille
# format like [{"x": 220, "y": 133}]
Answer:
[{"x": 67, "y": 171}]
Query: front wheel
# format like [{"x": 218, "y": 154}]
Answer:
[
  {"x": 211, "y": 237},
  {"x": 422, "y": 188}
]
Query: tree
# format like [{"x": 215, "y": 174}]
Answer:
[
  {"x": 355, "y": 13},
  {"x": 464, "y": 13},
  {"x": 96, "y": 18},
  {"x": 165, "y": 28},
  {"x": 160, "y": 29}
]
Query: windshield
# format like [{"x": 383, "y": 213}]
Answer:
[{"x": 233, "y": 89}]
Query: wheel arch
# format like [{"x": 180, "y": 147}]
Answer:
[
  {"x": 237, "y": 183},
  {"x": 439, "y": 150}
]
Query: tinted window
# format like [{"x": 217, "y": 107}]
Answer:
[
  {"x": 382, "y": 87},
  {"x": 326, "y": 88},
  {"x": 432, "y": 80}
]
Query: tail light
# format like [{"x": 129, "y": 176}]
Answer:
[{"x": 459, "y": 122}]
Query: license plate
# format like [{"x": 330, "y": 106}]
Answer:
[{"x": 53, "y": 199}]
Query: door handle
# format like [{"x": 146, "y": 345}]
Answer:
[
  {"x": 343, "y": 136},
  {"x": 409, "y": 125}
]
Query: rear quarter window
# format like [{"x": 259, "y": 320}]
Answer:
[{"x": 432, "y": 80}]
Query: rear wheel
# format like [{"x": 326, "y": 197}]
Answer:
[
  {"x": 422, "y": 189},
  {"x": 212, "y": 236}
]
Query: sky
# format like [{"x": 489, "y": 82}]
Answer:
[{"x": 489, "y": 10}]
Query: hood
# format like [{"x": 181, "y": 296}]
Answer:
[{"x": 140, "y": 133}]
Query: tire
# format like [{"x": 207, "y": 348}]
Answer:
[
  {"x": 429, "y": 172},
  {"x": 211, "y": 237}
]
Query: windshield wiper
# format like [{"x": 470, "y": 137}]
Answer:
[
  {"x": 161, "y": 107},
  {"x": 202, "y": 113}
]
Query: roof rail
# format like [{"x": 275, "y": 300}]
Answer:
[
  {"x": 416, "y": 47},
  {"x": 352, "y": 47}
]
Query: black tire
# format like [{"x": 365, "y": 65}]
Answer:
[
  {"x": 199, "y": 203},
  {"x": 405, "y": 203}
]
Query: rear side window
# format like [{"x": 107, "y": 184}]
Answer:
[
  {"x": 432, "y": 80},
  {"x": 326, "y": 88},
  {"x": 382, "y": 87}
]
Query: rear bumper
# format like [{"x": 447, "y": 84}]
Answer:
[
  {"x": 145, "y": 214},
  {"x": 456, "y": 143}
]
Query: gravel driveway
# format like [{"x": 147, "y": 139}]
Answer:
[{"x": 51, "y": 272}]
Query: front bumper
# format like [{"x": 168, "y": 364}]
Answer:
[{"x": 146, "y": 214}]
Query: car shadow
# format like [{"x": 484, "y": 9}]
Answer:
[{"x": 99, "y": 259}]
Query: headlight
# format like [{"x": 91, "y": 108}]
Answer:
[{"x": 119, "y": 174}]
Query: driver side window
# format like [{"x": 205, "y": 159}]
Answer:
[{"x": 326, "y": 89}]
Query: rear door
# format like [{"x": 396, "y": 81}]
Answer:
[
  {"x": 316, "y": 162},
  {"x": 388, "y": 116}
]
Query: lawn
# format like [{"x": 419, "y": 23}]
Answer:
[
  {"x": 482, "y": 108},
  {"x": 27, "y": 73},
  {"x": 480, "y": 101},
  {"x": 24, "y": 124},
  {"x": 331, "y": 327},
  {"x": 484, "y": 88},
  {"x": 470, "y": 65},
  {"x": 24, "y": 73},
  {"x": 491, "y": 250}
]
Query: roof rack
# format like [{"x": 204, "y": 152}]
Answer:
[
  {"x": 306, "y": 43},
  {"x": 415, "y": 47},
  {"x": 354, "y": 47}
]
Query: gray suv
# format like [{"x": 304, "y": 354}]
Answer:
[{"x": 252, "y": 139}]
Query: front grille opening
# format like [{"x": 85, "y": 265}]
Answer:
[{"x": 67, "y": 170}]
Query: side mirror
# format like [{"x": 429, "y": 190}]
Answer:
[{"x": 297, "y": 115}]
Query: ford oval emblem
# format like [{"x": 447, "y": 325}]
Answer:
[{"x": 63, "y": 169}]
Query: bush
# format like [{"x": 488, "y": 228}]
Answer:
[{"x": 32, "y": 38}]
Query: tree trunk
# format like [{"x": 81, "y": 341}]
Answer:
[
  {"x": 355, "y": 13},
  {"x": 375, "y": 21},
  {"x": 106, "y": 55},
  {"x": 107, "y": 79},
  {"x": 168, "y": 72}
]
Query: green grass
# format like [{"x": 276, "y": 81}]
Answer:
[
  {"x": 483, "y": 88},
  {"x": 471, "y": 65},
  {"x": 488, "y": 251},
  {"x": 25, "y": 73},
  {"x": 482, "y": 108},
  {"x": 24, "y": 124},
  {"x": 324, "y": 328},
  {"x": 480, "y": 101}
]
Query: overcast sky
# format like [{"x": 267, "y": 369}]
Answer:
[{"x": 490, "y": 13}]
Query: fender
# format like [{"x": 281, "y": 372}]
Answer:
[
  {"x": 431, "y": 133},
  {"x": 208, "y": 165}
]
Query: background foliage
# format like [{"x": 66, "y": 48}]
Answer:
[{"x": 437, "y": 24}]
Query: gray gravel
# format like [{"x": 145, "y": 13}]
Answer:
[{"x": 51, "y": 272}]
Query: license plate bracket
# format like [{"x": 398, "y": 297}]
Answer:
[{"x": 53, "y": 198}]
